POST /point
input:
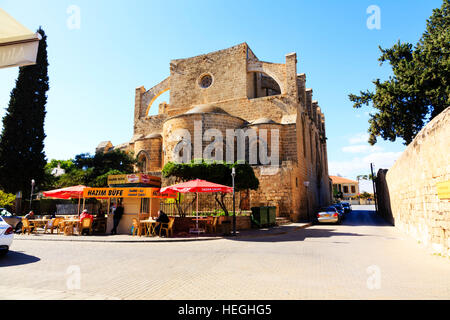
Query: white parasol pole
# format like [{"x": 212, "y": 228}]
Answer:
[
  {"x": 79, "y": 199},
  {"x": 197, "y": 216}
]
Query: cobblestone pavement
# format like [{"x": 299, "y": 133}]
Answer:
[{"x": 362, "y": 259}]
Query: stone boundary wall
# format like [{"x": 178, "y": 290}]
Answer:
[
  {"x": 416, "y": 207},
  {"x": 383, "y": 197}
]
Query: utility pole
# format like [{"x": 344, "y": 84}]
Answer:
[
  {"x": 233, "y": 174},
  {"x": 32, "y": 191},
  {"x": 374, "y": 188}
]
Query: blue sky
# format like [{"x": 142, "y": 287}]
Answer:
[{"x": 121, "y": 45}]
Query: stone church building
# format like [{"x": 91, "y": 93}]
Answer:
[{"x": 233, "y": 89}]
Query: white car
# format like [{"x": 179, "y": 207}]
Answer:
[{"x": 6, "y": 236}]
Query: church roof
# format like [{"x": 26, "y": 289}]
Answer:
[
  {"x": 153, "y": 136},
  {"x": 206, "y": 108},
  {"x": 263, "y": 121}
]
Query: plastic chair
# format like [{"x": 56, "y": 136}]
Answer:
[
  {"x": 85, "y": 224},
  {"x": 167, "y": 227},
  {"x": 137, "y": 228},
  {"x": 61, "y": 225},
  {"x": 26, "y": 226},
  {"x": 52, "y": 224},
  {"x": 212, "y": 226}
]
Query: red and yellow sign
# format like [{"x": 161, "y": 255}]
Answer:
[
  {"x": 443, "y": 190},
  {"x": 125, "y": 193},
  {"x": 133, "y": 178}
]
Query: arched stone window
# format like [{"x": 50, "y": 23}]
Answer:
[
  {"x": 261, "y": 85},
  {"x": 142, "y": 162}
]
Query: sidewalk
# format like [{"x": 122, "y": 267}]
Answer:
[{"x": 251, "y": 233}]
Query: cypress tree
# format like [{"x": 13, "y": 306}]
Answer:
[{"x": 22, "y": 156}]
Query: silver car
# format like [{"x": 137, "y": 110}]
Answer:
[
  {"x": 6, "y": 237},
  {"x": 11, "y": 219},
  {"x": 328, "y": 214}
]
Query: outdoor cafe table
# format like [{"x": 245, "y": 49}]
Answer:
[
  {"x": 39, "y": 222},
  {"x": 204, "y": 220},
  {"x": 71, "y": 223},
  {"x": 150, "y": 226}
]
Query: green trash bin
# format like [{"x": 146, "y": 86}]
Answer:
[
  {"x": 259, "y": 217},
  {"x": 264, "y": 216},
  {"x": 255, "y": 217},
  {"x": 272, "y": 215}
]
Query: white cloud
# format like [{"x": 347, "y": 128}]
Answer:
[
  {"x": 361, "y": 149},
  {"x": 359, "y": 138},
  {"x": 361, "y": 165}
]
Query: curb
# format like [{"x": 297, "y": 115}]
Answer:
[{"x": 166, "y": 240}]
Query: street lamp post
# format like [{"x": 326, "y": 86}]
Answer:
[
  {"x": 233, "y": 174},
  {"x": 32, "y": 190},
  {"x": 306, "y": 184}
]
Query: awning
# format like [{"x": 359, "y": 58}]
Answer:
[
  {"x": 66, "y": 193},
  {"x": 135, "y": 192},
  {"x": 18, "y": 45}
]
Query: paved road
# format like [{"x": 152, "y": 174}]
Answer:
[{"x": 362, "y": 259}]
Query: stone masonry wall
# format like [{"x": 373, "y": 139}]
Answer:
[
  {"x": 412, "y": 180},
  {"x": 227, "y": 67}
]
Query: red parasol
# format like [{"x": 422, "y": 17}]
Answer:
[
  {"x": 66, "y": 193},
  {"x": 197, "y": 186}
]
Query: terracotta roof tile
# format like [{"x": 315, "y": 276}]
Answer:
[{"x": 337, "y": 180}]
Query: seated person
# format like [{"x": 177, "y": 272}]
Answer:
[
  {"x": 162, "y": 218},
  {"x": 86, "y": 215},
  {"x": 30, "y": 215}
]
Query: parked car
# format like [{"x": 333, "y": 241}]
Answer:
[
  {"x": 329, "y": 214},
  {"x": 6, "y": 237},
  {"x": 11, "y": 219},
  {"x": 340, "y": 208},
  {"x": 347, "y": 207}
]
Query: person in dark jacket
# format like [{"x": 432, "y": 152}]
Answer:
[
  {"x": 162, "y": 218},
  {"x": 118, "y": 213}
]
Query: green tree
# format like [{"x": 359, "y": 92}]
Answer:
[
  {"x": 100, "y": 164},
  {"x": 66, "y": 165},
  {"x": 89, "y": 170},
  {"x": 214, "y": 172},
  {"x": 366, "y": 195},
  {"x": 366, "y": 177},
  {"x": 22, "y": 156},
  {"x": 51, "y": 182},
  {"x": 6, "y": 199},
  {"x": 420, "y": 86}
]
